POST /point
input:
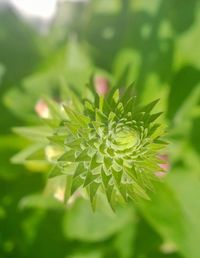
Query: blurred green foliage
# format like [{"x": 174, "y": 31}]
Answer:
[{"x": 156, "y": 45}]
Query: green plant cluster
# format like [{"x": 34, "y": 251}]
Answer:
[
  {"x": 113, "y": 145},
  {"x": 154, "y": 43}
]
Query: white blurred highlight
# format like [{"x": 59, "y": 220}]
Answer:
[{"x": 44, "y": 9}]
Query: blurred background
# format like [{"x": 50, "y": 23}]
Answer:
[{"x": 48, "y": 46}]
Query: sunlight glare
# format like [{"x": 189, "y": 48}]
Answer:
[{"x": 38, "y": 8}]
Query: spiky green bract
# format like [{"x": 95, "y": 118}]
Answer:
[
  {"x": 114, "y": 145},
  {"x": 110, "y": 145}
]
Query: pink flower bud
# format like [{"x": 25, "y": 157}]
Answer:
[
  {"x": 164, "y": 166},
  {"x": 42, "y": 109},
  {"x": 101, "y": 85}
]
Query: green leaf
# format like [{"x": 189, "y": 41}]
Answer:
[
  {"x": 94, "y": 164},
  {"x": 100, "y": 116},
  {"x": 107, "y": 162},
  {"x": 117, "y": 176},
  {"x": 109, "y": 194},
  {"x": 134, "y": 190},
  {"x": 90, "y": 178},
  {"x": 103, "y": 221},
  {"x": 37, "y": 133},
  {"x": 73, "y": 144},
  {"x": 69, "y": 180},
  {"x": 171, "y": 224},
  {"x": 116, "y": 96},
  {"x": 182, "y": 224},
  {"x": 57, "y": 138},
  {"x": 123, "y": 191},
  {"x": 38, "y": 155},
  {"x": 51, "y": 122},
  {"x": 22, "y": 156},
  {"x": 80, "y": 169},
  {"x": 89, "y": 106},
  {"x": 105, "y": 178},
  {"x": 55, "y": 109},
  {"x": 68, "y": 156},
  {"x": 83, "y": 156},
  {"x": 120, "y": 108},
  {"x": 76, "y": 183},
  {"x": 155, "y": 116},
  {"x": 148, "y": 108},
  {"x": 55, "y": 171},
  {"x": 76, "y": 117},
  {"x": 93, "y": 187}
]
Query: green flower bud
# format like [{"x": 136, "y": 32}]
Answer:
[{"x": 110, "y": 145}]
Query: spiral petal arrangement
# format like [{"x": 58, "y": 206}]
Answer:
[
  {"x": 108, "y": 145},
  {"x": 112, "y": 145}
]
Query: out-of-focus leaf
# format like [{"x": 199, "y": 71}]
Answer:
[
  {"x": 69, "y": 66},
  {"x": 37, "y": 133},
  {"x": 39, "y": 201},
  {"x": 186, "y": 185},
  {"x": 18, "y": 41},
  {"x": 165, "y": 214},
  {"x": 89, "y": 254},
  {"x": 126, "y": 66},
  {"x": 184, "y": 83},
  {"x": 124, "y": 240},
  {"x": 83, "y": 224},
  {"x": 2, "y": 71},
  {"x": 195, "y": 135},
  {"x": 152, "y": 239}
]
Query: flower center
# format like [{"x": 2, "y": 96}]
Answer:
[{"x": 126, "y": 138}]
